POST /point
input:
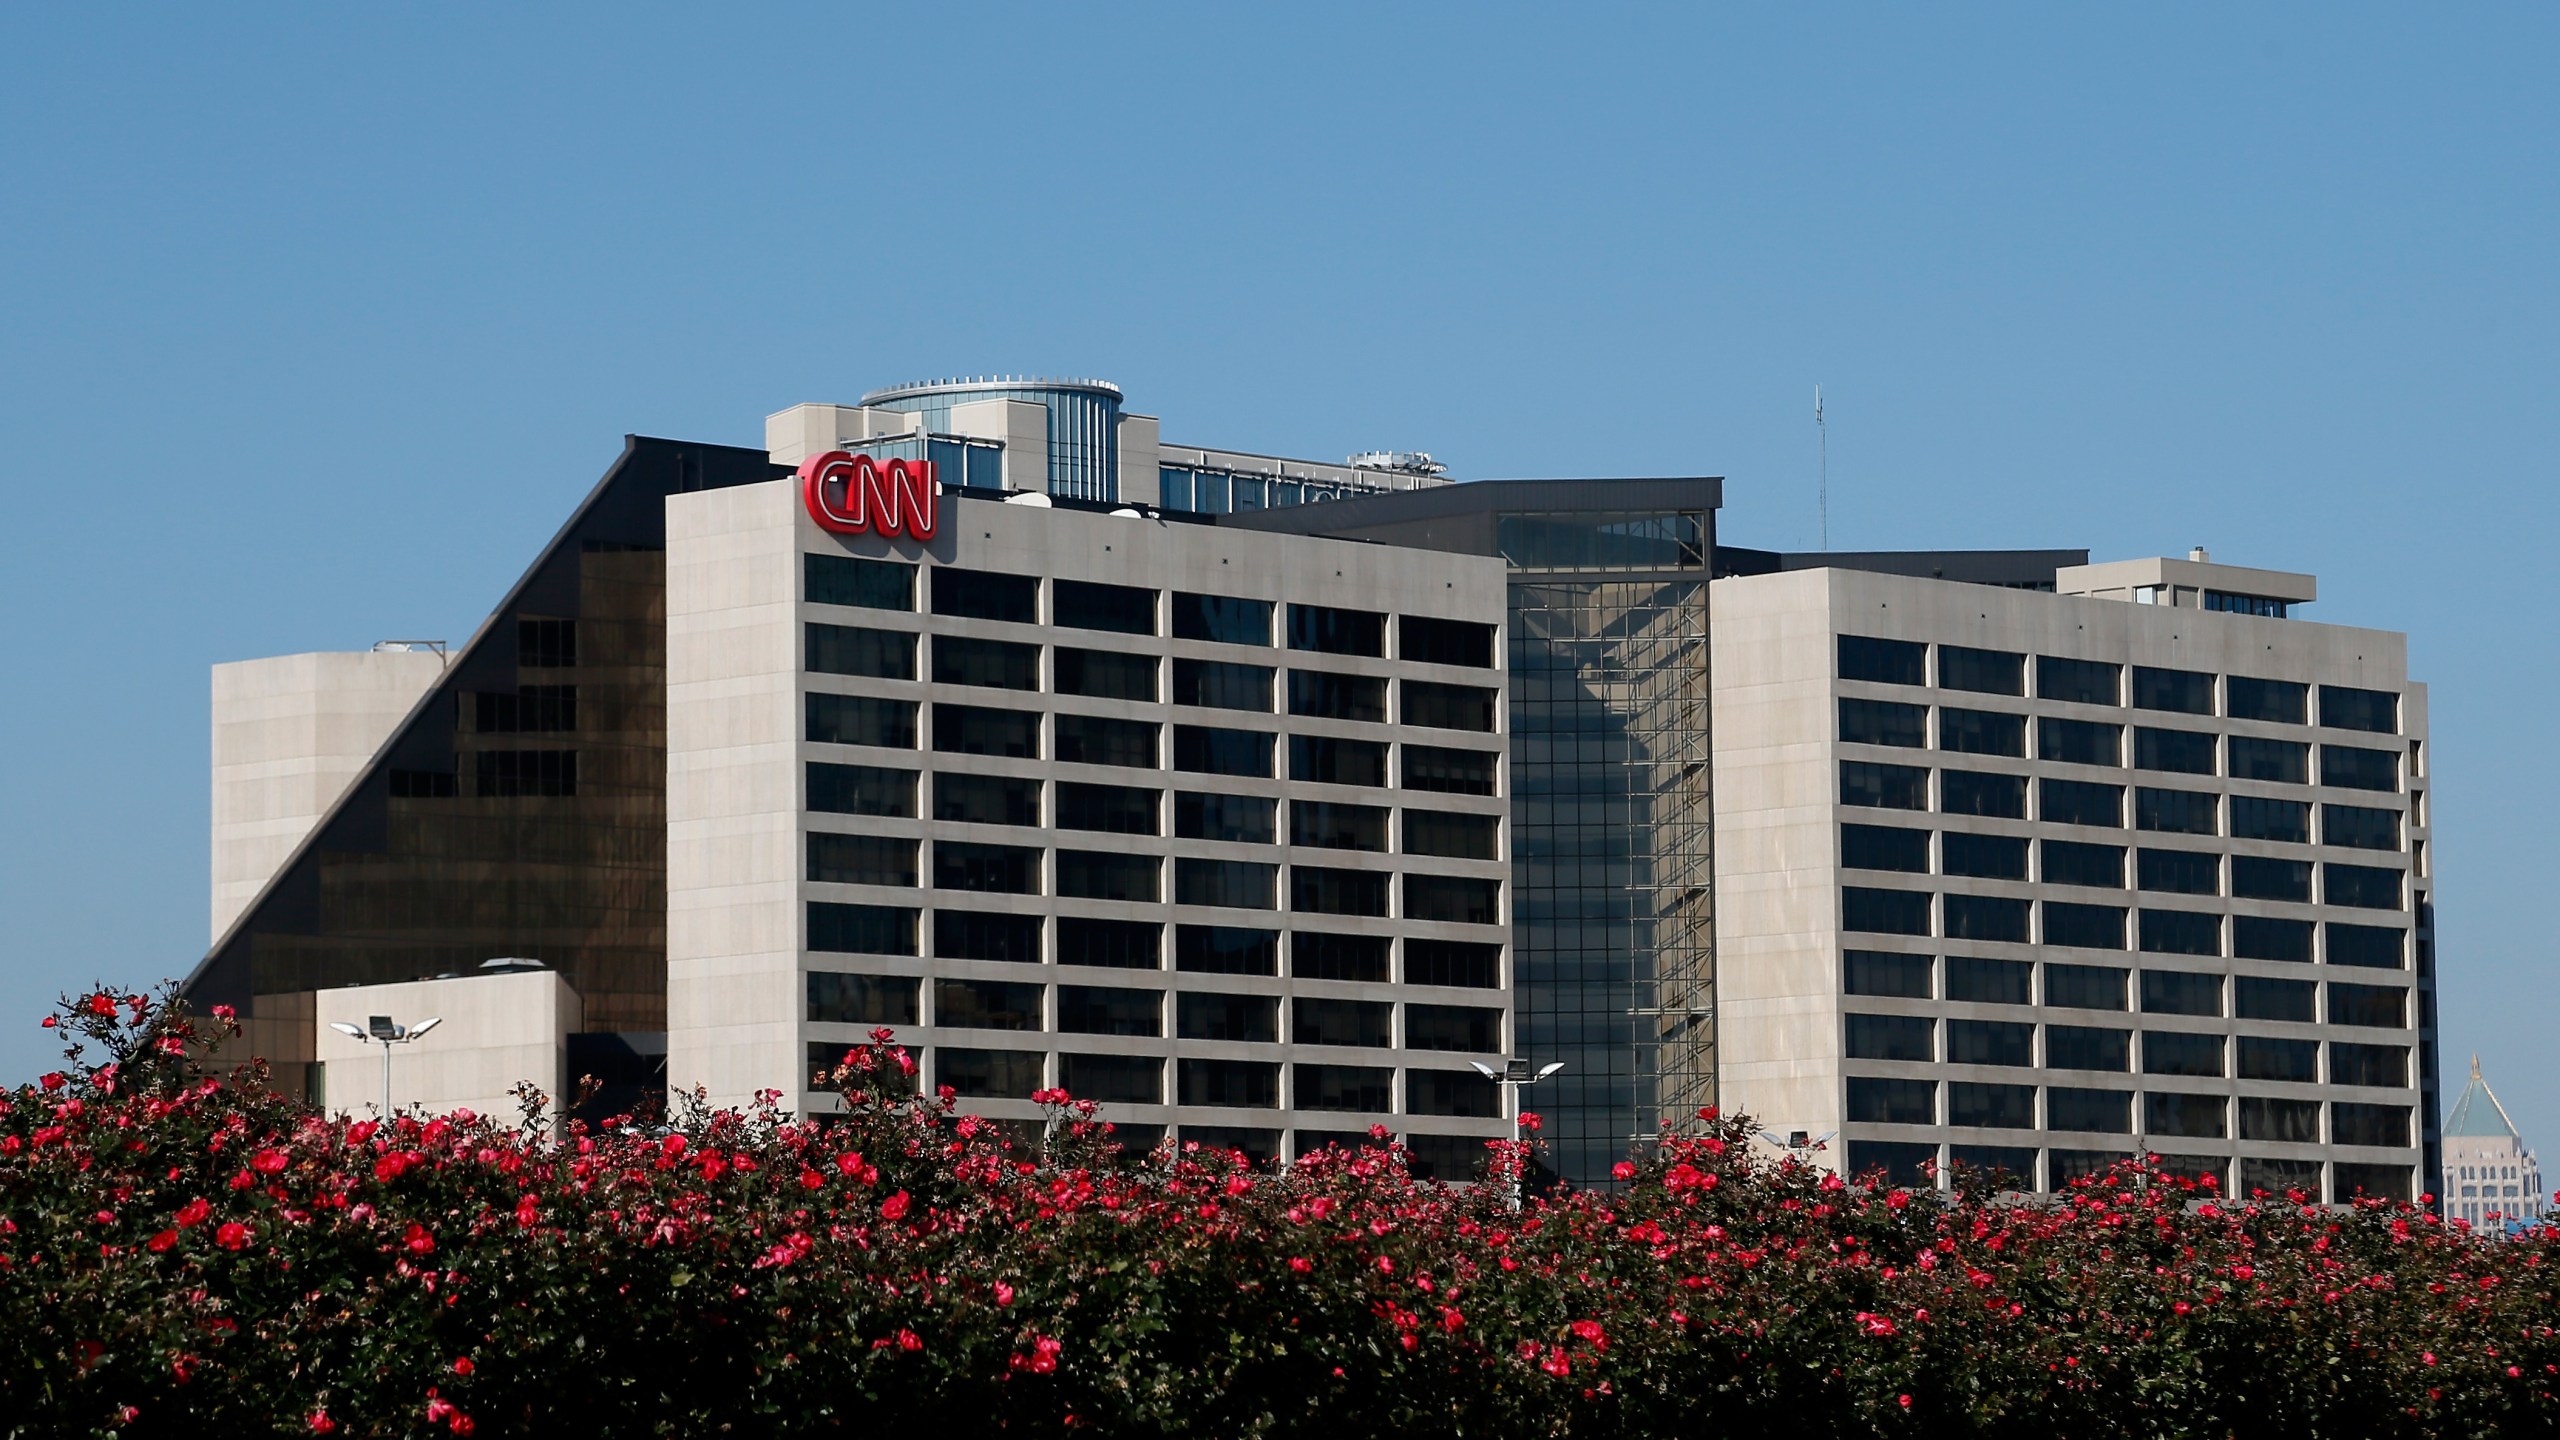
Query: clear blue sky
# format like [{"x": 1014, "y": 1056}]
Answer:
[{"x": 314, "y": 324}]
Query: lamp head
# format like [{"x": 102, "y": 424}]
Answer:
[
  {"x": 1516, "y": 1071},
  {"x": 1485, "y": 1070},
  {"x": 423, "y": 1026},
  {"x": 343, "y": 1028},
  {"x": 1549, "y": 1068},
  {"x": 381, "y": 1028}
]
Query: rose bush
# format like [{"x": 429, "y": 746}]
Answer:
[{"x": 181, "y": 1254}]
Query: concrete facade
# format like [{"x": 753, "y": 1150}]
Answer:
[{"x": 498, "y": 1029}]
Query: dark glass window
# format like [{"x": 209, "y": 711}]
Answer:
[
  {"x": 1451, "y": 1092},
  {"x": 424, "y": 785},
  {"x": 2282, "y": 701},
  {"x": 2100, "y": 1111},
  {"x": 1330, "y": 825},
  {"x": 2195, "y": 1117},
  {"x": 861, "y": 859},
  {"x": 1445, "y": 642},
  {"x": 980, "y": 730},
  {"x": 1453, "y": 899},
  {"x": 2183, "y": 691},
  {"x": 2381, "y": 1065},
  {"x": 1990, "y": 1042},
  {"x": 1331, "y": 631},
  {"x": 1460, "y": 837},
  {"x": 2084, "y": 987},
  {"x": 2360, "y": 827},
  {"x": 1110, "y": 944},
  {"x": 1884, "y": 912},
  {"x": 1457, "y": 964},
  {"x": 2179, "y": 932},
  {"x": 1449, "y": 772},
  {"x": 2173, "y": 812},
  {"x": 986, "y": 1004},
  {"x": 1222, "y": 685},
  {"x": 1878, "y": 972},
  {"x": 1097, "y": 740},
  {"x": 1109, "y": 1010},
  {"x": 2255, "y": 817},
  {"x": 1208, "y": 750},
  {"x": 2180, "y": 872},
  {"x": 848, "y": 580},
  {"x": 2079, "y": 742},
  {"x": 1982, "y": 732},
  {"x": 1327, "y": 696},
  {"x": 985, "y": 799},
  {"x": 1103, "y": 674},
  {"x": 2082, "y": 1047},
  {"x": 1892, "y": 1102},
  {"x": 2255, "y": 997},
  {"x": 856, "y": 649},
  {"x": 546, "y": 644},
  {"x": 1108, "y": 875},
  {"x": 2181, "y": 992},
  {"x": 862, "y": 999},
  {"x": 1900, "y": 1163},
  {"x": 2084, "y": 927},
  {"x": 2292, "y": 1122},
  {"x": 1893, "y": 787},
  {"x": 1986, "y": 672},
  {"x": 2261, "y": 1057},
  {"x": 1884, "y": 722},
  {"x": 1092, "y": 605},
  {"x": 1242, "y": 818},
  {"x": 1222, "y": 618},
  {"x": 861, "y": 720},
  {"x": 1236, "y": 884},
  {"x": 2010, "y": 1167},
  {"x": 2184, "y": 752},
  {"x": 1366, "y": 1088},
  {"x": 2365, "y": 887},
  {"x": 1890, "y": 662},
  {"x": 1974, "y": 1105},
  {"x": 1990, "y": 982},
  {"x": 2259, "y": 937},
  {"x": 1256, "y": 1145},
  {"x": 2181, "y": 1052},
  {"x": 2344, "y": 707},
  {"x": 526, "y": 710},
  {"x": 2080, "y": 802},
  {"x": 1986, "y": 917},
  {"x": 861, "y": 929},
  {"x": 2070, "y": 862},
  {"x": 1989, "y": 857},
  {"x": 2383, "y": 1182},
  {"x": 992, "y": 1074},
  {"x": 1447, "y": 707},
  {"x": 1330, "y": 761},
  {"x": 2351, "y": 768},
  {"x": 1877, "y": 847},
  {"x": 2381, "y": 1006},
  {"x": 549, "y": 774},
  {"x": 1113, "y": 1080},
  {"x": 1251, "y": 1019},
  {"x": 2254, "y": 877},
  {"x": 1225, "y": 950},
  {"x": 1002, "y": 664},
  {"x": 1430, "y": 1157},
  {"x": 861, "y": 790},
  {"x": 2287, "y": 762},
  {"x": 1327, "y": 955},
  {"x": 1001, "y": 869},
  {"x": 1113, "y": 809},
  {"x": 1339, "y": 1022},
  {"x": 2084, "y": 682},
  {"x": 1331, "y": 890},
  {"x": 964, "y": 935},
  {"x": 1891, "y": 1037},
  {"x": 985, "y": 595},
  {"x": 2353, "y": 1124},
  {"x": 1240, "y": 1084},
  {"x": 2376, "y": 947}
]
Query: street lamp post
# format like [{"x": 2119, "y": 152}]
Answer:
[
  {"x": 1514, "y": 1077},
  {"x": 381, "y": 1030}
]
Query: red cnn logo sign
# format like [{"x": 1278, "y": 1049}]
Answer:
[{"x": 855, "y": 494}]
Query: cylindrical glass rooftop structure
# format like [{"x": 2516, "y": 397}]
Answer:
[{"x": 1084, "y": 423}]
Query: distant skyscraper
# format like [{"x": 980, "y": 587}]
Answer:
[{"x": 2489, "y": 1175}]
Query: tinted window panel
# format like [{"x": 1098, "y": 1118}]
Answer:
[
  {"x": 1893, "y": 1102},
  {"x": 863, "y": 999},
  {"x": 1109, "y": 1010},
  {"x": 2080, "y": 802},
  {"x": 1339, "y": 1022},
  {"x": 1899, "y": 1163},
  {"x": 1986, "y": 917},
  {"x": 2181, "y": 992},
  {"x": 1225, "y": 950},
  {"x": 1243, "y": 818},
  {"x": 2084, "y": 682},
  {"x": 861, "y": 859},
  {"x": 861, "y": 720},
  {"x": 2085, "y": 927},
  {"x": 1110, "y": 944},
  {"x": 1252, "y": 1019},
  {"x": 1104, "y": 674},
  {"x": 848, "y": 580},
  {"x": 2344, "y": 707},
  {"x": 1990, "y": 982},
  {"x": 861, "y": 929},
  {"x": 1332, "y": 631},
  {"x": 2180, "y": 932},
  {"x": 2186, "y": 752},
  {"x": 2282, "y": 701},
  {"x": 961, "y": 935},
  {"x": 985, "y": 595},
  {"x": 1877, "y": 847},
  {"x": 2351, "y": 768},
  {"x": 1447, "y": 707},
  {"x": 2286, "y": 762},
  {"x": 1002, "y": 869},
  {"x": 858, "y": 650},
  {"x": 2079, "y": 1047},
  {"x": 1329, "y": 890},
  {"x": 2353, "y": 1124},
  {"x": 2101, "y": 1111},
  {"x": 2084, "y": 987},
  {"x": 994, "y": 1074},
  {"x": 2259, "y": 1057},
  {"x": 2359, "y": 827},
  {"x": 2254, "y": 997},
  {"x": 1991, "y": 1107},
  {"x": 1884, "y": 722},
  {"x": 1888, "y": 912},
  {"x": 1449, "y": 772},
  {"x": 1989, "y": 857},
  {"x": 1091, "y": 605},
  {"x": 1453, "y": 899},
  {"x": 1891, "y": 1037},
  {"x": 1462, "y": 837},
  {"x": 1222, "y": 685},
  {"x": 1115, "y": 809},
  {"x": 2180, "y": 872},
  {"x": 2383, "y": 1065},
  {"x": 1981, "y": 732},
  {"x": 2382, "y": 1006},
  {"x": 1986, "y": 672},
  {"x": 1100, "y": 875},
  {"x": 1208, "y": 750},
  {"x": 2181, "y": 1052},
  {"x": 1113, "y": 1079},
  {"x": 2377, "y": 947},
  {"x": 2174, "y": 812},
  {"x": 1876, "y": 972},
  {"x": 1890, "y": 662},
  {"x": 986, "y": 1004},
  {"x": 1237, "y": 1084},
  {"x": 1458, "y": 964},
  {"x": 2079, "y": 742},
  {"x": 980, "y": 730},
  {"x": 2183, "y": 691},
  {"x": 1365, "y": 1088},
  {"x": 1319, "y": 955},
  {"x": 1222, "y": 618},
  {"x": 2258, "y": 937},
  {"x": 1445, "y": 642},
  {"x": 2196, "y": 1117},
  {"x": 1473, "y": 1029},
  {"x": 2365, "y": 887},
  {"x": 2257, "y": 818},
  {"x": 1330, "y": 826},
  {"x": 2257, "y": 878},
  {"x": 1002, "y": 664},
  {"x": 1096, "y": 740},
  {"x": 1451, "y": 1092},
  {"x": 1893, "y": 787},
  {"x": 2069, "y": 862},
  {"x": 1329, "y": 761},
  {"x": 1237, "y": 884},
  {"x": 861, "y": 790},
  {"x": 1327, "y": 696},
  {"x": 1990, "y": 1042},
  {"x": 986, "y": 799}
]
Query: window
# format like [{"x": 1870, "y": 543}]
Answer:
[
  {"x": 2182, "y": 691},
  {"x": 2179, "y": 932},
  {"x": 1877, "y": 847},
  {"x": 1329, "y": 825},
  {"x": 1326, "y": 696},
  {"x": 1240, "y": 818},
  {"x": 1893, "y": 787},
  {"x": 2259, "y": 937},
  {"x": 2293, "y": 1122},
  {"x": 2180, "y": 872},
  {"x": 1096, "y": 740},
  {"x": 964, "y": 935},
  {"x": 1241, "y": 1084},
  {"x": 1911, "y": 1164},
  {"x": 1249, "y": 1019},
  {"x": 2084, "y": 987},
  {"x": 1451, "y": 1092},
  {"x": 2012, "y": 1164},
  {"x": 1103, "y": 674},
  {"x": 1982, "y": 732},
  {"x": 1340, "y": 1022},
  {"x": 2365, "y": 887},
  {"x": 2079, "y": 742},
  {"x": 861, "y": 859},
  {"x": 1110, "y": 944},
  {"x": 1001, "y": 664},
  {"x": 2174, "y": 812},
  {"x": 1986, "y": 917},
  {"x": 1447, "y": 707},
  {"x": 986, "y": 1004},
  {"x": 2378, "y": 947},
  {"x": 1449, "y": 772},
  {"x": 861, "y": 929},
  {"x": 2184, "y": 752},
  {"x": 1887, "y": 662},
  {"x": 1109, "y": 1010},
  {"x": 861, "y": 790},
  {"x": 2255, "y": 817},
  {"x": 1208, "y": 750},
  {"x": 985, "y": 595},
  {"x": 1113, "y": 1079},
  {"x": 1460, "y": 837},
  {"x": 2382, "y": 1125},
  {"x": 2360, "y": 828},
  {"x": 1877, "y": 972},
  {"x": 2082, "y": 682},
  {"x": 1001, "y": 869},
  {"x": 981, "y": 730},
  {"x": 1330, "y": 890},
  {"x": 424, "y": 785},
  {"x": 2196, "y": 1117},
  {"x": 2084, "y": 927},
  {"x": 1430, "y": 1157},
  {"x": 1893, "y": 1102},
  {"x": 2264, "y": 1058},
  {"x": 526, "y": 710},
  {"x": 1884, "y": 912},
  {"x": 550, "y": 774},
  {"x": 2255, "y": 877},
  {"x": 1108, "y": 875},
  {"x": 2181, "y": 1052},
  {"x": 2101, "y": 1111},
  {"x": 1222, "y": 685},
  {"x": 1257, "y": 1146},
  {"x": 1453, "y": 899},
  {"x": 1225, "y": 950},
  {"x": 547, "y": 644},
  {"x": 2181, "y": 992},
  {"x": 1092, "y": 605},
  {"x": 1990, "y": 857},
  {"x": 1236, "y": 884},
  {"x": 847, "y": 580},
  {"x": 2281, "y": 701},
  {"x": 1366, "y": 1088},
  {"x": 2286, "y": 762},
  {"x": 2350, "y": 768},
  {"x": 1986, "y": 672},
  {"x": 2081, "y": 1047},
  {"x": 2228, "y": 603},
  {"x": 2383, "y": 1182},
  {"x": 862, "y": 999},
  {"x": 1323, "y": 955},
  {"x": 1112, "y": 809},
  {"x": 861, "y": 720},
  {"x": 1330, "y": 631},
  {"x": 993, "y": 1074},
  {"x": 1223, "y": 619},
  {"x": 1891, "y": 1037},
  {"x": 2344, "y": 707},
  {"x": 1884, "y": 722},
  {"x": 1327, "y": 760},
  {"x": 2072, "y": 862},
  {"x": 1990, "y": 982},
  {"x": 1445, "y": 642},
  {"x": 2255, "y": 997},
  {"x": 1473, "y": 1029},
  {"x": 1990, "y": 1042},
  {"x": 1457, "y": 964},
  {"x": 2080, "y": 802},
  {"x": 2385, "y": 1066},
  {"x": 984, "y": 799},
  {"x": 2384, "y": 1007},
  {"x": 1991, "y": 1107}
]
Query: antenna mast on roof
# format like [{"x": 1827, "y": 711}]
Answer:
[{"x": 1822, "y": 448}]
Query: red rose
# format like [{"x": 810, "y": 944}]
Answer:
[{"x": 232, "y": 1235}]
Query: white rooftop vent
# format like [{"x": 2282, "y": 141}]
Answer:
[{"x": 1401, "y": 462}]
